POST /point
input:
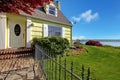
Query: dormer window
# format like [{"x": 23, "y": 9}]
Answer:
[{"x": 52, "y": 10}]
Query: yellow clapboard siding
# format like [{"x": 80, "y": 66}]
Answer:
[
  {"x": 37, "y": 33},
  {"x": 37, "y": 27},
  {"x": 37, "y": 24},
  {"x": 67, "y": 33},
  {"x": 67, "y": 29},
  {"x": 67, "y": 36},
  {"x": 34, "y": 36},
  {"x": 68, "y": 39},
  {"x": 37, "y": 30}
]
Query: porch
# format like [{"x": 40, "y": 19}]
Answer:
[{"x": 17, "y": 64}]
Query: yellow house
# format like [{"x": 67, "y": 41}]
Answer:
[{"x": 18, "y": 30}]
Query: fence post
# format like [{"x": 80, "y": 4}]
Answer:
[
  {"x": 59, "y": 68},
  {"x": 42, "y": 63},
  {"x": 56, "y": 68},
  {"x": 47, "y": 65},
  {"x": 52, "y": 67},
  {"x": 65, "y": 70},
  {"x": 83, "y": 72},
  {"x": 71, "y": 70},
  {"x": 88, "y": 76}
]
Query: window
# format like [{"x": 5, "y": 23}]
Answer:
[
  {"x": 17, "y": 29},
  {"x": 54, "y": 31},
  {"x": 52, "y": 10}
]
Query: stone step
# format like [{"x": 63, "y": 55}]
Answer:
[
  {"x": 15, "y": 53},
  {"x": 10, "y": 56}
]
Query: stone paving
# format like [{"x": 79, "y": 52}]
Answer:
[
  {"x": 22, "y": 74},
  {"x": 18, "y": 69}
]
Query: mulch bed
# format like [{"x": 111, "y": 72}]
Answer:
[{"x": 77, "y": 51}]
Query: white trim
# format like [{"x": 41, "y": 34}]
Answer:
[
  {"x": 45, "y": 33},
  {"x": 63, "y": 32},
  {"x": 3, "y": 22},
  {"x": 29, "y": 24}
]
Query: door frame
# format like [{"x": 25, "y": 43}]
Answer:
[{"x": 8, "y": 32}]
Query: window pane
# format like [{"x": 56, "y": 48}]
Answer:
[
  {"x": 52, "y": 10},
  {"x": 54, "y": 31}
]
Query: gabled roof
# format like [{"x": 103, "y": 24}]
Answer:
[{"x": 40, "y": 14}]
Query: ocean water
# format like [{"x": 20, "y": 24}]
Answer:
[{"x": 115, "y": 43}]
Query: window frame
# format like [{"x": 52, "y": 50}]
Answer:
[
  {"x": 52, "y": 10},
  {"x": 53, "y": 30}
]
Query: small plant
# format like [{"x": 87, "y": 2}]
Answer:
[
  {"x": 77, "y": 44},
  {"x": 93, "y": 43}
]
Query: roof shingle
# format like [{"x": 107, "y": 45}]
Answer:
[{"x": 40, "y": 14}]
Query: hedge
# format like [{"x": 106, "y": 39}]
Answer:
[{"x": 54, "y": 44}]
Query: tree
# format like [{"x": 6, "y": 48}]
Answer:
[{"x": 28, "y": 6}]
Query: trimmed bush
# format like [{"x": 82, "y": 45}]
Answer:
[
  {"x": 93, "y": 43},
  {"x": 54, "y": 44}
]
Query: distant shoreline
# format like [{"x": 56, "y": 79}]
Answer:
[{"x": 111, "y": 42}]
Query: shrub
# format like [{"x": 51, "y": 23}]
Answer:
[
  {"x": 77, "y": 44},
  {"x": 67, "y": 52},
  {"x": 54, "y": 44},
  {"x": 93, "y": 43}
]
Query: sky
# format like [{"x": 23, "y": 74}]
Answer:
[{"x": 93, "y": 19}]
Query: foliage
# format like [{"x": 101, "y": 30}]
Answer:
[
  {"x": 25, "y": 5},
  {"x": 93, "y": 43},
  {"x": 54, "y": 44},
  {"x": 67, "y": 52},
  {"x": 77, "y": 44}
]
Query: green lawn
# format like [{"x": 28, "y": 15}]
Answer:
[{"x": 103, "y": 61}]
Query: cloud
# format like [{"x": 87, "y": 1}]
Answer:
[
  {"x": 77, "y": 19},
  {"x": 78, "y": 37},
  {"x": 86, "y": 16}
]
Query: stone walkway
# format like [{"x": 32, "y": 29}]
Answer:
[
  {"x": 22, "y": 74},
  {"x": 18, "y": 69},
  {"x": 16, "y": 63}
]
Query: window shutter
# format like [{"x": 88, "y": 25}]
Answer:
[
  {"x": 45, "y": 30},
  {"x": 63, "y": 32}
]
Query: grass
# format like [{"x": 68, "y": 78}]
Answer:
[{"x": 103, "y": 61}]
